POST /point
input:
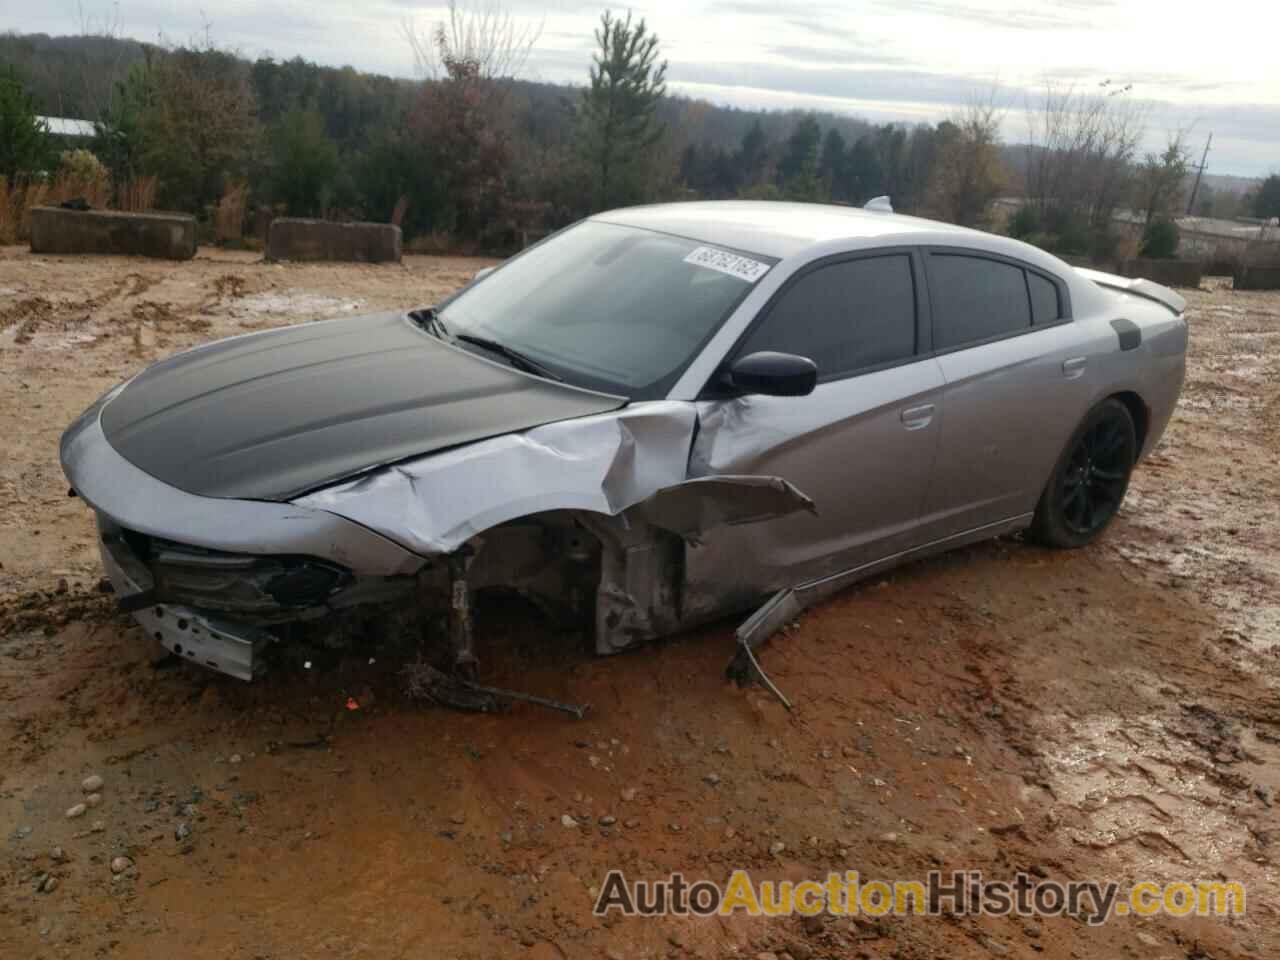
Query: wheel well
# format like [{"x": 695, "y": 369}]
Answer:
[{"x": 1138, "y": 410}]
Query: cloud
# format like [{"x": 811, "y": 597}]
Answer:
[
  {"x": 904, "y": 85},
  {"x": 842, "y": 57},
  {"x": 1010, "y": 18}
]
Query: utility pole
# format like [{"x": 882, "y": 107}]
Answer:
[{"x": 1191, "y": 204}]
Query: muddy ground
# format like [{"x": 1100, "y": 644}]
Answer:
[{"x": 1108, "y": 713}]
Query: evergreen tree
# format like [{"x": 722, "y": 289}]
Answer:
[
  {"x": 752, "y": 156},
  {"x": 118, "y": 136},
  {"x": 24, "y": 141},
  {"x": 864, "y": 174},
  {"x": 619, "y": 128},
  {"x": 832, "y": 163},
  {"x": 798, "y": 169},
  {"x": 306, "y": 162}
]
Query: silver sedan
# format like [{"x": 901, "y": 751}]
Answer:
[{"x": 656, "y": 417}]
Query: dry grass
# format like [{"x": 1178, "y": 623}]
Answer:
[
  {"x": 402, "y": 207},
  {"x": 228, "y": 218},
  {"x": 137, "y": 195},
  {"x": 19, "y": 196},
  {"x": 1128, "y": 246}
]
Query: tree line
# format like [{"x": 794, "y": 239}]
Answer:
[{"x": 470, "y": 157}]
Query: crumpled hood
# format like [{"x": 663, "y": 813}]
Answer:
[{"x": 273, "y": 415}]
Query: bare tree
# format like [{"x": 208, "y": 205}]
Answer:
[
  {"x": 1080, "y": 151},
  {"x": 481, "y": 32},
  {"x": 99, "y": 86}
]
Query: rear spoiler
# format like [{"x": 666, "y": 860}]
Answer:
[{"x": 1138, "y": 287}]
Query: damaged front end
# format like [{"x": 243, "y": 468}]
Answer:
[
  {"x": 589, "y": 519},
  {"x": 617, "y": 579}
]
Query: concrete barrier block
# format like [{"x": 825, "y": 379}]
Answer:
[
  {"x": 294, "y": 238},
  {"x": 1170, "y": 273},
  {"x": 1257, "y": 278},
  {"x": 169, "y": 236}
]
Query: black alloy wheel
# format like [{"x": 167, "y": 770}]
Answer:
[{"x": 1090, "y": 480}]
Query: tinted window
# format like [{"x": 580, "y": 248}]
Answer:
[
  {"x": 1044, "y": 299},
  {"x": 845, "y": 316},
  {"x": 975, "y": 298}
]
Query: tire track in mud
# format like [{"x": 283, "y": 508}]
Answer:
[{"x": 38, "y": 315}]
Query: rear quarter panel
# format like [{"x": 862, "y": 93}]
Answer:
[{"x": 1155, "y": 369}]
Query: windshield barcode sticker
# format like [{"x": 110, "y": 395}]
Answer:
[{"x": 744, "y": 268}]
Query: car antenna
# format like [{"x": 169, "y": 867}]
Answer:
[{"x": 879, "y": 205}]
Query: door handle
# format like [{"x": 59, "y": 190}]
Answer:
[
  {"x": 1073, "y": 368},
  {"x": 913, "y": 418}
]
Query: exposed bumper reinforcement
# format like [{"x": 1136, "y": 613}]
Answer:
[{"x": 231, "y": 648}]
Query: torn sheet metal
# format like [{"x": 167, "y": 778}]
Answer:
[
  {"x": 602, "y": 464},
  {"x": 633, "y": 461}
]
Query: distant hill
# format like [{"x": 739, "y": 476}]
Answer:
[
  {"x": 1226, "y": 183},
  {"x": 73, "y": 76}
]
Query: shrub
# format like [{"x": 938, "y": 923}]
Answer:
[
  {"x": 761, "y": 191},
  {"x": 1024, "y": 223},
  {"x": 81, "y": 165},
  {"x": 1160, "y": 240}
]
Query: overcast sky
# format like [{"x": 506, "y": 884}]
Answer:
[{"x": 1204, "y": 66}]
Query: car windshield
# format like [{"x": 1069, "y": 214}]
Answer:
[{"x": 611, "y": 308}]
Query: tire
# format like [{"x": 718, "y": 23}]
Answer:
[{"x": 1090, "y": 479}]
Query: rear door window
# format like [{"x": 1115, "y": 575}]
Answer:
[
  {"x": 845, "y": 316},
  {"x": 976, "y": 299}
]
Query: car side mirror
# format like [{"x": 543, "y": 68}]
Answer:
[{"x": 774, "y": 374}]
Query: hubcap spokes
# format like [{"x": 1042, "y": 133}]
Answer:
[{"x": 1093, "y": 483}]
